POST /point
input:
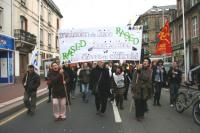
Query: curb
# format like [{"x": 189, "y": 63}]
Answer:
[{"x": 11, "y": 106}]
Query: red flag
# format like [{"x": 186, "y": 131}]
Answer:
[{"x": 164, "y": 45}]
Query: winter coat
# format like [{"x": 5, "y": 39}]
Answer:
[
  {"x": 56, "y": 81},
  {"x": 142, "y": 84},
  {"x": 70, "y": 77},
  {"x": 84, "y": 76},
  {"x": 32, "y": 82},
  {"x": 175, "y": 77},
  {"x": 103, "y": 87}
]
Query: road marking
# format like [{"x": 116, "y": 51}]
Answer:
[
  {"x": 116, "y": 113},
  {"x": 9, "y": 118}
]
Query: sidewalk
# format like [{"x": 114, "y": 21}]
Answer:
[{"x": 12, "y": 91}]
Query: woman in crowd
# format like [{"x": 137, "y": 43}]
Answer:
[
  {"x": 159, "y": 80},
  {"x": 118, "y": 84},
  {"x": 57, "y": 82}
]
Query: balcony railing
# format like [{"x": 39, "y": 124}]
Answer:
[
  {"x": 195, "y": 40},
  {"x": 26, "y": 37}
]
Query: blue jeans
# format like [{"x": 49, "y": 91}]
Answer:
[
  {"x": 173, "y": 92},
  {"x": 86, "y": 92}
]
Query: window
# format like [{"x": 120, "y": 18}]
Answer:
[
  {"x": 180, "y": 32},
  {"x": 145, "y": 37},
  {"x": 1, "y": 18},
  {"x": 194, "y": 26},
  {"x": 49, "y": 17},
  {"x": 23, "y": 23},
  {"x": 171, "y": 36},
  {"x": 179, "y": 5},
  {"x": 145, "y": 22},
  {"x": 193, "y": 2},
  {"x": 41, "y": 35},
  {"x": 49, "y": 39},
  {"x": 58, "y": 25},
  {"x": 23, "y": 2},
  {"x": 41, "y": 10},
  {"x": 56, "y": 41},
  {"x": 187, "y": 28}
]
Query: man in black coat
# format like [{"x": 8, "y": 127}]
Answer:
[
  {"x": 100, "y": 86},
  {"x": 31, "y": 82},
  {"x": 174, "y": 80}
]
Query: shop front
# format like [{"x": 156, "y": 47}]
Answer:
[{"x": 6, "y": 59}]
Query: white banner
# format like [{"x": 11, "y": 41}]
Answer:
[
  {"x": 94, "y": 44},
  {"x": 35, "y": 59}
]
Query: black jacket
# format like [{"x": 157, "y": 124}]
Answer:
[
  {"x": 175, "y": 77},
  {"x": 32, "y": 82},
  {"x": 104, "y": 82},
  {"x": 56, "y": 81},
  {"x": 84, "y": 76}
]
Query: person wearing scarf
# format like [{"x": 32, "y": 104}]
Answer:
[
  {"x": 118, "y": 84},
  {"x": 142, "y": 88},
  {"x": 159, "y": 80}
]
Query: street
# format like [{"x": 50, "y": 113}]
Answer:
[{"x": 83, "y": 119}]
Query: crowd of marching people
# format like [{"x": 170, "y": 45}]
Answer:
[{"x": 106, "y": 81}]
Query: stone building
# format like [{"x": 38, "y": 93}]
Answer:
[
  {"x": 192, "y": 32},
  {"x": 153, "y": 20},
  {"x": 26, "y": 16}
]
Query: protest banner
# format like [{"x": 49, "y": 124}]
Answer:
[{"x": 94, "y": 44}]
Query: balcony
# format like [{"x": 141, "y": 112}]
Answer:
[
  {"x": 177, "y": 46},
  {"x": 195, "y": 40},
  {"x": 24, "y": 40},
  {"x": 23, "y": 36}
]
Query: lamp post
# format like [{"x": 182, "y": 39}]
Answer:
[
  {"x": 38, "y": 41},
  {"x": 184, "y": 42}
]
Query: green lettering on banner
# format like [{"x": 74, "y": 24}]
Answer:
[
  {"x": 73, "y": 49},
  {"x": 127, "y": 35}
]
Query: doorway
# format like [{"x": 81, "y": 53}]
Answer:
[
  {"x": 23, "y": 62},
  {"x": 195, "y": 57}
]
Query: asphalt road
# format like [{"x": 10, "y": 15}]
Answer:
[{"x": 83, "y": 119}]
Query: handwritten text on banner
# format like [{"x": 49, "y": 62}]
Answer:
[{"x": 93, "y": 44}]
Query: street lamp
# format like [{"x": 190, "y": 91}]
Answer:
[{"x": 184, "y": 42}]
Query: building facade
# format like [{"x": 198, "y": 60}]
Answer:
[
  {"x": 6, "y": 42},
  {"x": 27, "y": 14},
  {"x": 192, "y": 33},
  {"x": 153, "y": 20}
]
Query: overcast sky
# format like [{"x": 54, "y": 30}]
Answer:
[{"x": 100, "y": 13}]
